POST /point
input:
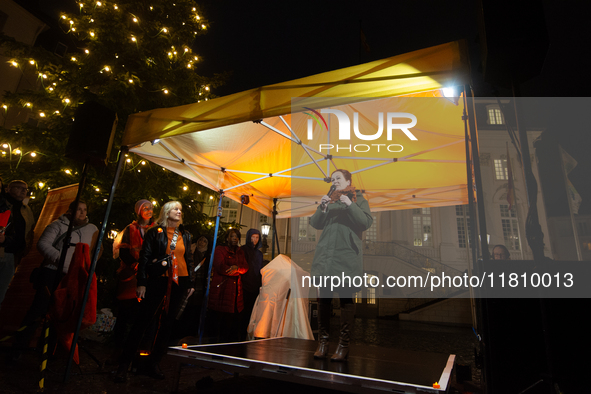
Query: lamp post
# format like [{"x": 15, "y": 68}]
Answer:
[{"x": 265, "y": 228}]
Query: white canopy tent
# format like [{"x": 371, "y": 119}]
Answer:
[{"x": 255, "y": 142}]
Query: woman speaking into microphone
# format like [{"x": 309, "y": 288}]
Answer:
[{"x": 343, "y": 216}]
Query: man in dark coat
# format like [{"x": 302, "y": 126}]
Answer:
[
  {"x": 16, "y": 239},
  {"x": 252, "y": 279}
]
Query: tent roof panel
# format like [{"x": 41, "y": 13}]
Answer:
[{"x": 217, "y": 144}]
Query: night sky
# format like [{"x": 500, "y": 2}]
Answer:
[{"x": 266, "y": 42}]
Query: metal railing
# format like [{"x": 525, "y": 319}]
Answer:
[
  {"x": 423, "y": 261},
  {"x": 408, "y": 255},
  {"x": 419, "y": 260}
]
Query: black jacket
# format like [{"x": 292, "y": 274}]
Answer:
[
  {"x": 252, "y": 279},
  {"x": 154, "y": 247}
]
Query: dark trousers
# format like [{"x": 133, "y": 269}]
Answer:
[
  {"x": 249, "y": 300},
  {"x": 152, "y": 316},
  {"x": 127, "y": 313},
  {"x": 224, "y": 326},
  {"x": 345, "y": 296},
  {"x": 43, "y": 284}
]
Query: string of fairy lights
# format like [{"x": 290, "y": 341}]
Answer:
[
  {"x": 156, "y": 31},
  {"x": 83, "y": 28},
  {"x": 39, "y": 186}
]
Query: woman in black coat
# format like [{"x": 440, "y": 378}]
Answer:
[{"x": 164, "y": 280}]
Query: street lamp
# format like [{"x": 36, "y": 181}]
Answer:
[{"x": 265, "y": 228}]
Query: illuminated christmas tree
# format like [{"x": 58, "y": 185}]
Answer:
[{"x": 128, "y": 55}]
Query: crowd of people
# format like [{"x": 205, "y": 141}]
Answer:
[
  {"x": 163, "y": 269},
  {"x": 163, "y": 272}
]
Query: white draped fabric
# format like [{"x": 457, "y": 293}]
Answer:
[{"x": 275, "y": 315}]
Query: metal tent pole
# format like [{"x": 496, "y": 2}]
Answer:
[
  {"x": 470, "y": 230},
  {"x": 275, "y": 236},
  {"x": 479, "y": 220},
  {"x": 472, "y": 234},
  {"x": 206, "y": 298},
  {"x": 477, "y": 174},
  {"x": 95, "y": 255}
]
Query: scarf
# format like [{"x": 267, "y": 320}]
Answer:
[{"x": 348, "y": 191}]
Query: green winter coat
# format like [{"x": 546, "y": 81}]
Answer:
[{"x": 339, "y": 250}]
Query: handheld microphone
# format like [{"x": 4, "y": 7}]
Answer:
[{"x": 330, "y": 191}]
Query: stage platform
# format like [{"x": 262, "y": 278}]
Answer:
[{"x": 369, "y": 368}]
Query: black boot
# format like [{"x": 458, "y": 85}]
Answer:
[
  {"x": 347, "y": 318},
  {"x": 155, "y": 371},
  {"x": 121, "y": 375},
  {"x": 323, "y": 330}
]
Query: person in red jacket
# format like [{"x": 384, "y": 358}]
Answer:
[
  {"x": 225, "y": 298},
  {"x": 127, "y": 247},
  {"x": 164, "y": 280}
]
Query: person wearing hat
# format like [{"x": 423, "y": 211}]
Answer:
[
  {"x": 164, "y": 283},
  {"x": 127, "y": 248}
]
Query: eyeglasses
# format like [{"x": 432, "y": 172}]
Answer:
[{"x": 21, "y": 188}]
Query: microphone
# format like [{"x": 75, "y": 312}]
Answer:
[{"x": 330, "y": 191}]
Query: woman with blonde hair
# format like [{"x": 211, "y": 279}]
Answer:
[{"x": 163, "y": 280}]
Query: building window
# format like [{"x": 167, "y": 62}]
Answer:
[
  {"x": 358, "y": 297},
  {"x": 463, "y": 226},
  {"x": 61, "y": 49},
  {"x": 3, "y": 19},
  {"x": 230, "y": 210},
  {"x": 510, "y": 227},
  {"x": 582, "y": 229},
  {"x": 371, "y": 291},
  {"x": 508, "y": 213},
  {"x": 495, "y": 116},
  {"x": 306, "y": 232},
  {"x": 421, "y": 223},
  {"x": 460, "y": 209},
  {"x": 372, "y": 233},
  {"x": 263, "y": 219},
  {"x": 501, "y": 172}
]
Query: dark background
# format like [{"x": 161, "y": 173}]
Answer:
[{"x": 266, "y": 42}]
